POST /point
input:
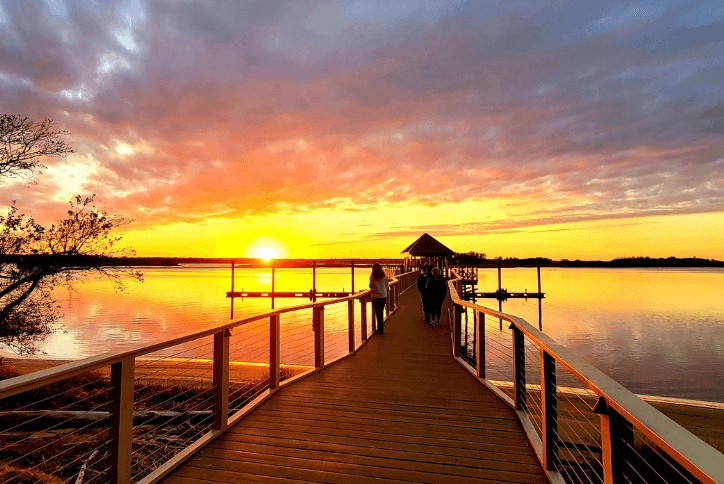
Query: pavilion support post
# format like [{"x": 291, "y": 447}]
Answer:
[
  {"x": 120, "y": 430},
  {"x": 232, "y": 289},
  {"x": 500, "y": 309},
  {"x": 318, "y": 324},
  {"x": 540, "y": 301},
  {"x": 500, "y": 278}
]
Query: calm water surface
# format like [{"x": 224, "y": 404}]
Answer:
[{"x": 658, "y": 332}]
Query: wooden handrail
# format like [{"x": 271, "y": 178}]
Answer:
[{"x": 698, "y": 457}]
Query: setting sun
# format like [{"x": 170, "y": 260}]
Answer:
[
  {"x": 266, "y": 248},
  {"x": 266, "y": 253}
]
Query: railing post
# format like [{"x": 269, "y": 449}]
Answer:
[
  {"x": 275, "y": 330},
  {"x": 480, "y": 350},
  {"x": 457, "y": 318},
  {"x": 519, "y": 368},
  {"x": 350, "y": 318},
  {"x": 363, "y": 318},
  {"x": 318, "y": 324},
  {"x": 387, "y": 303},
  {"x": 616, "y": 438},
  {"x": 220, "y": 419},
  {"x": 549, "y": 404},
  {"x": 120, "y": 430}
]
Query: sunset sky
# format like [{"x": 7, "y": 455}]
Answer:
[{"x": 563, "y": 129}]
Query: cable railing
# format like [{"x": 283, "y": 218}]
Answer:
[
  {"x": 135, "y": 415},
  {"x": 584, "y": 427}
]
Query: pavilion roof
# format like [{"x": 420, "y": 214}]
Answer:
[{"x": 426, "y": 245}]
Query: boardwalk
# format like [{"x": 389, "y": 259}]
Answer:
[{"x": 400, "y": 410}]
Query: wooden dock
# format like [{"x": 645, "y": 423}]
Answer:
[
  {"x": 503, "y": 295},
  {"x": 400, "y": 410}
]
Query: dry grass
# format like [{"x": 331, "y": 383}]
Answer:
[{"x": 53, "y": 448}]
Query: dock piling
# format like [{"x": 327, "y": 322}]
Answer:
[{"x": 232, "y": 289}]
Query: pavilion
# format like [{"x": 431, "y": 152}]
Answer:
[{"x": 427, "y": 250}]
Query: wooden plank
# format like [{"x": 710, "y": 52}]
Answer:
[
  {"x": 303, "y": 405},
  {"x": 320, "y": 434},
  {"x": 280, "y": 294},
  {"x": 430, "y": 450},
  {"x": 389, "y": 466},
  {"x": 383, "y": 426},
  {"x": 254, "y": 472},
  {"x": 388, "y": 418},
  {"x": 500, "y": 437},
  {"x": 240, "y": 461},
  {"x": 395, "y": 459}
]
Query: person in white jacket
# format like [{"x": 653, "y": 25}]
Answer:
[{"x": 378, "y": 285}]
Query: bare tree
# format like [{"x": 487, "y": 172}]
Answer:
[
  {"x": 24, "y": 143},
  {"x": 34, "y": 259}
]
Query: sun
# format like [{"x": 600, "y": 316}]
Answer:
[
  {"x": 266, "y": 248},
  {"x": 266, "y": 253}
]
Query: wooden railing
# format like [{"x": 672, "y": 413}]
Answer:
[
  {"x": 666, "y": 451},
  {"x": 123, "y": 365}
]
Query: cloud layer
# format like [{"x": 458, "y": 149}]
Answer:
[{"x": 183, "y": 110}]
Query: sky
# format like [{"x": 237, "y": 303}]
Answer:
[{"x": 561, "y": 129}]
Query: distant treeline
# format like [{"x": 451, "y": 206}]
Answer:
[
  {"x": 477, "y": 259},
  {"x": 246, "y": 262},
  {"x": 466, "y": 259}
]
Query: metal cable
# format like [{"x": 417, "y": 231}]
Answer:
[{"x": 569, "y": 451}]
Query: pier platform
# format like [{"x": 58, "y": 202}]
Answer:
[{"x": 400, "y": 410}]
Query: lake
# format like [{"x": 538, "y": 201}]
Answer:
[{"x": 656, "y": 331}]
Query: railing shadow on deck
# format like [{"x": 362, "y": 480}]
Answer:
[
  {"x": 135, "y": 415},
  {"x": 584, "y": 426}
]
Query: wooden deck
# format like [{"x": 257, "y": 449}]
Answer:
[{"x": 400, "y": 410}]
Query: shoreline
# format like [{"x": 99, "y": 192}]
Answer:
[{"x": 31, "y": 364}]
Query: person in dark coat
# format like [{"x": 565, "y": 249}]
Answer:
[
  {"x": 422, "y": 287},
  {"x": 436, "y": 294}
]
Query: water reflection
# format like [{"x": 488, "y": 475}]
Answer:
[
  {"x": 657, "y": 332},
  {"x": 170, "y": 302}
]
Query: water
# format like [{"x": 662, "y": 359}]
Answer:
[
  {"x": 657, "y": 332},
  {"x": 173, "y": 301}
]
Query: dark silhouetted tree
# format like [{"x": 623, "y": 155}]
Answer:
[
  {"x": 33, "y": 258},
  {"x": 24, "y": 144}
]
